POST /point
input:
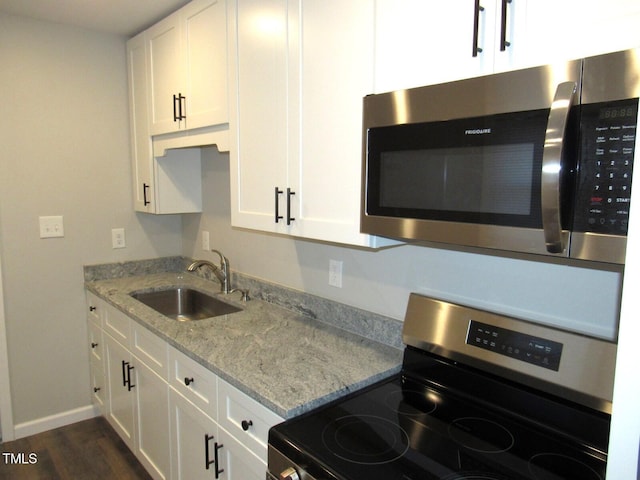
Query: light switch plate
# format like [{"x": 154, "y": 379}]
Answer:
[{"x": 51, "y": 226}]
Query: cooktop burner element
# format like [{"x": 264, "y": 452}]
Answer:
[
  {"x": 481, "y": 435},
  {"x": 397, "y": 402},
  {"x": 368, "y": 440},
  {"x": 473, "y": 476},
  {"x": 549, "y": 466},
  {"x": 444, "y": 419}
]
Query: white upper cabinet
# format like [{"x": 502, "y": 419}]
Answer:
[
  {"x": 258, "y": 53},
  {"x": 421, "y": 43},
  {"x": 178, "y": 99},
  {"x": 165, "y": 75},
  {"x": 141, "y": 160},
  {"x": 300, "y": 72},
  {"x": 560, "y": 30},
  {"x": 187, "y": 63},
  {"x": 167, "y": 183}
]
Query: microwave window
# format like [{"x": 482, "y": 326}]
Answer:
[{"x": 494, "y": 179}]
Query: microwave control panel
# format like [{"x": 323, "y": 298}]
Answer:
[
  {"x": 527, "y": 348},
  {"x": 608, "y": 132}
]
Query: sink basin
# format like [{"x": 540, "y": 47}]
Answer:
[{"x": 185, "y": 304}]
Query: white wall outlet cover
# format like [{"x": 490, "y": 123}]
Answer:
[
  {"x": 118, "y": 238},
  {"x": 335, "y": 273},
  {"x": 51, "y": 226}
]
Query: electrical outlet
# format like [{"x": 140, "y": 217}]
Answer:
[
  {"x": 51, "y": 227},
  {"x": 335, "y": 273},
  {"x": 117, "y": 238},
  {"x": 205, "y": 240}
]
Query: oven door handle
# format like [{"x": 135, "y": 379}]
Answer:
[{"x": 552, "y": 165}]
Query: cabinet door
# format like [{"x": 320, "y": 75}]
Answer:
[
  {"x": 204, "y": 44},
  {"x": 259, "y": 136},
  {"x": 237, "y": 461},
  {"x": 333, "y": 66},
  {"x": 194, "y": 441},
  {"x": 166, "y": 70},
  {"x": 153, "y": 436},
  {"x": 120, "y": 412},
  {"x": 575, "y": 29},
  {"x": 419, "y": 43},
  {"x": 141, "y": 161}
]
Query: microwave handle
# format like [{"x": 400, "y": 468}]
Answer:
[{"x": 552, "y": 165}]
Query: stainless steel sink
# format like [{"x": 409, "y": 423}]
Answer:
[{"x": 185, "y": 304}]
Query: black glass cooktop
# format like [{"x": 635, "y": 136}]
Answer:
[{"x": 403, "y": 430}]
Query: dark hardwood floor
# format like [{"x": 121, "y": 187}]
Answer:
[{"x": 86, "y": 450}]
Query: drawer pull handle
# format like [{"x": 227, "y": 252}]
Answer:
[
  {"x": 216, "y": 448},
  {"x": 188, "y": 381},
  {"x": 289, "y": 217},
  {"x": 94, "y": 344},
  {"x": 92, "y": 308},
  {"x": 96, "y": 389},
  {"x": 246, "y": 424},
  {"x": 207, "y": 462},
  {"x": 129, "y": 384},
  {"x": 278, "y": 192}
]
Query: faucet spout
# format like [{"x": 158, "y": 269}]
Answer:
[{"x": 221, "y": 273}]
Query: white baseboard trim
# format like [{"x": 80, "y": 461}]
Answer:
[{"x": 40, "y": 425}]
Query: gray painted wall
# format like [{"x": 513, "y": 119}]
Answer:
[{"x": 64, "y": 150}]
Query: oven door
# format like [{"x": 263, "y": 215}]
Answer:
[{"x": 475, "y": 181}]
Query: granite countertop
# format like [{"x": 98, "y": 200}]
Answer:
[{"x": 288, "y": 362}]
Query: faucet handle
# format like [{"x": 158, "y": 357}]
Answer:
[{"x": 244, "y": 294}]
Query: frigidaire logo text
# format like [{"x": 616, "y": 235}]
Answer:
[{"x": 477, "y": 131}]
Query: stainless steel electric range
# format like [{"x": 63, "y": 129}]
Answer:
[{"x": 481, "y": 396}]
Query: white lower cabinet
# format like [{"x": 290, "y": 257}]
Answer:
[
  {"x": 96, "y": 354},
  {"x": 138, "y": 408},
  {"x": 181, "y": 421},
  {"x": 238, "y": 461},
  {"x": 152, "y": 422},
  {"x": 195, "y": 443},
  {"x": 204, "y": 450},
  {"x": 218, "y": 431},
  {"x": 120, "y": 402}
]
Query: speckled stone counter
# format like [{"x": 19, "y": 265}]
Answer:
[{"x": 289, "y": 362}]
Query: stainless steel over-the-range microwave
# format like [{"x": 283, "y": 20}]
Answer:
[{"x": 538, "y": 160}]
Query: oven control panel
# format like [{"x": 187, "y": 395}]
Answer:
[{"x": 527, "y": 348}]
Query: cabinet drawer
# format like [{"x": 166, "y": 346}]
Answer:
[
  {"x": 117, "y": 324},
  {"x": 194, "y": 382},
  {"x": 96, "y": 346},
  {"x": 95, "y": 308},
  {"x": 150, "y": 349},
  {"x": 245, "y": 419},
  {"x": 98, "y": 386}
]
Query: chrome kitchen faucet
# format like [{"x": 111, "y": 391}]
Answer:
[{"x": 222, "y": 274}]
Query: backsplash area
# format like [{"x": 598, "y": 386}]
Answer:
[{"x": 379, "y": 328}]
